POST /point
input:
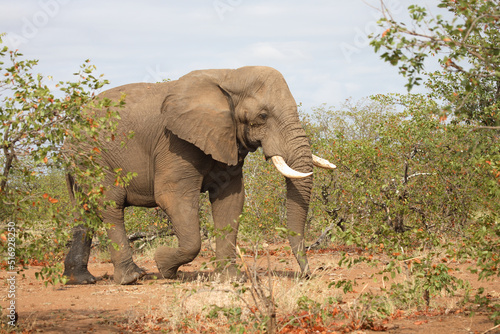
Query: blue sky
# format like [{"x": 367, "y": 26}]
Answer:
[{"x": 320, "y": 46}]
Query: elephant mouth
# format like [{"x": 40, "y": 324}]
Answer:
[{"x": 249, "y": 146}]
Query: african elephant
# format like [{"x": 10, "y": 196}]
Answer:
[{"x": 192, "y": 135}]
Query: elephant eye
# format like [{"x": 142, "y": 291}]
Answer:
[{"x": 263, "y": 116}]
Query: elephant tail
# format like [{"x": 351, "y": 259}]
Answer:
[{"x": 70, "y": 183}]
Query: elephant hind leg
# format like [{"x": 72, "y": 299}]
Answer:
[
  {"x": 75, "y": 263},
  {"x": 125, "y": 270}
]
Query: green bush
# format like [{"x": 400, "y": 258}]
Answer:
[
  {"x": 264, "y": 211},
  {"x": 411, "y": 185},
  {"x": 34, "y": 124}
]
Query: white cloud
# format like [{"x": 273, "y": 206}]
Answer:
[
  {"x": 288, "y": 51},
  {"x": 266, "y": 51}
]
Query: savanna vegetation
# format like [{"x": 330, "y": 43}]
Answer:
[{"x": 416, "y": 190}]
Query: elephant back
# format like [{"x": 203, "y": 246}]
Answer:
[{"x": 141, "y": 99}]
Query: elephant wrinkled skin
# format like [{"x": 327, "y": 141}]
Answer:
[{"x": 192, "y": 135}]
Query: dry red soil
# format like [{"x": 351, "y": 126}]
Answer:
[{"x": 156, "y": 305}]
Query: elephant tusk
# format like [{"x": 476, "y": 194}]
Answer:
[
  {"x": 286, "y": 170},
  {"x": 323, "y": 163}
]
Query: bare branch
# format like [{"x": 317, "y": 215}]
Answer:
[
  {"x": 486, "y": 127},
  {"x": 325, "y": 233},
  {"x": 474, "y": 23},
  {"x": 416, "y": 174}
]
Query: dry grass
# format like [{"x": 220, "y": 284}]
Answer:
[
  {"x": 205, "y": 304},
  {"x": 209, "y": 303},
  {"x": 207, "y": 298}
]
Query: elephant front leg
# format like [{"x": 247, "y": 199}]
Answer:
[
  {"x": 227, "y": 200},
  {"x": 126, "y": 271}
]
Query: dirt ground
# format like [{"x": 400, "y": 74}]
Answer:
[{"x": 155, "y": 305}]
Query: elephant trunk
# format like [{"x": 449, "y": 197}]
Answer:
[{"x": 298, "y": 195}]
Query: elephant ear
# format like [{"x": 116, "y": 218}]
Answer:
[{"x": 197, "y": 109}]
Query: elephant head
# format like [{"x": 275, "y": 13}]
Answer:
[{"x": 228, "y": 113}]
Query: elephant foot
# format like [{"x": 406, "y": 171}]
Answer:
[
  {"x": 79, "y": 277},
  {"x": 164, "y": 257},
  {"x": 233, "y": 276},
  {"x": 231, "y": 272},
  {"x": 167, "y": 273},
  {"x": 128, "y": 274}
]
